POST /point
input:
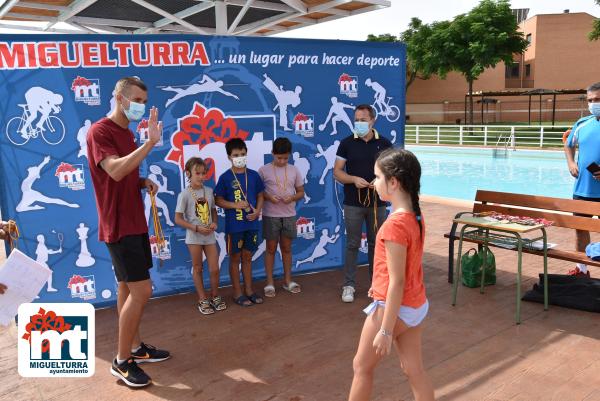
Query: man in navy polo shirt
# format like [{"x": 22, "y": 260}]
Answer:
[
  {"x": 585, "y": 135},
  {"x": 354, "y": 166}
]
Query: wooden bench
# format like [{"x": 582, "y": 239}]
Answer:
[{"x": 558, "y": 210}]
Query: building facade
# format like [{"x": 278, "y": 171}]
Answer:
[{"x": 560, "y": 56}]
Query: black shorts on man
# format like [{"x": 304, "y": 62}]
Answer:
[{"x": 132, "y": 258}]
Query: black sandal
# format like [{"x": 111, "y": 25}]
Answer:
[
  {"x": 218, "y": 304},
  {"x": 205, "y": 307},
  {"x": 242, "y": 301},
  {"x": 255, "y": 298}
]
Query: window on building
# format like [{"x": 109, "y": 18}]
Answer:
[
  {"x": 528, "y": 37},
  {"x": 512, "y": 70},
  {"x": 527, "y": 70}
]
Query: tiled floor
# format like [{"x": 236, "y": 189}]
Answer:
[{"x": 300, "y": 347}]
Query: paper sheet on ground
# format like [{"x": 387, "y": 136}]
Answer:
[{"x": 24, "y": 278}]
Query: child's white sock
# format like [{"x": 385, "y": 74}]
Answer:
[
  {"x": 136, "y": 348},
  {"x": 120, "y": 361},
  {"x": 582, "y": 268}
]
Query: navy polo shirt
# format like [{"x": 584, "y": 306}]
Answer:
[{"x": 360, "y": 159}]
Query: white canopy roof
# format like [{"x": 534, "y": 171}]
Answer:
[{"x": 214, "y": 17}]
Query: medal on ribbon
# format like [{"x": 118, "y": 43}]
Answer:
[{"x": 239, "y": 185}]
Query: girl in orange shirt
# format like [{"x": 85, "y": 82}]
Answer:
[{"x": 399, "y": 302}]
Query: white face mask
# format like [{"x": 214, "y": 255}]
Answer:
[
  {"x": 361, "y": 128},
  {"x": 135, "y": 112},
  {"x": 594, "y": 109},
  {"x": 239, "y": 162}
]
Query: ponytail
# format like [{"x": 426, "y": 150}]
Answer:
[{"x": 414, "y": 196}]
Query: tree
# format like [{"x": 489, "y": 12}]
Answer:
[
  {"x": 421, "y": 62},
  {"x": 595, "y": 34},
  {"x": 416, "y": 38},
  {"x": 386, "y": 37},
  {"x": 481, "y": 39}
]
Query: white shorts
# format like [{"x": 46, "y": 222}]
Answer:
[{"x": 410, "y": 316}]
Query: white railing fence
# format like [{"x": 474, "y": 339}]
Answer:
[{"x": 486, "y": 135}]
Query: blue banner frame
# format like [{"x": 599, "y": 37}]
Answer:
[{"x": 207, "y": 89}]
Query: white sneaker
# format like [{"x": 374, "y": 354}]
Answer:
[{"x": 347, "y": 293}]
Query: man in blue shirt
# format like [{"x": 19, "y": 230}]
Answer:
[
  {"x": 240, "y": 192},
  {"x": 585, "y": 135}
]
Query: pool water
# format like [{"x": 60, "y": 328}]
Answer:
[{"x": 453, "y": 172}]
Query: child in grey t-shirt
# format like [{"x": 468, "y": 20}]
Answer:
[{"x": 196, "y": 212}]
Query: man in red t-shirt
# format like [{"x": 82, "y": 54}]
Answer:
[{"x": 114, "y": 161}]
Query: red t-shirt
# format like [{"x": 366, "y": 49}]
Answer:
[
  {"x": 120, "y": 205},
  {"x": 401, "y": 228}
]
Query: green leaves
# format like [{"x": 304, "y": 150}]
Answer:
[
  {"x": 382, "y": 38},
  {"x": 487, "y": 35},
  {"x": 595, "y": 34},
  {"x": 482, "y": 38},
  {"x": 469, "y": 44}
]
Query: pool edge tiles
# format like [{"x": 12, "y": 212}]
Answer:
[
  {"x": 487, "y": 151},
  {"x": 446, "y": 201}
]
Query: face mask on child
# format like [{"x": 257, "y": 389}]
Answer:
[
  {"x": 239, "y": 162},
  {"x": 594, "y": 109},
  {"x": 361, "y": 128}
]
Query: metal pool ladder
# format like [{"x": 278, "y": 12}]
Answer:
[{"x": 501, "y": 148}]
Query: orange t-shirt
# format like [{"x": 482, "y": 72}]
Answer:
[{"x": 401, "y": 228}]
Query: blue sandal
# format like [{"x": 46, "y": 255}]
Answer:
[
  {"x": 242, "y": 299},
  {"x": 255, "y": 298}
]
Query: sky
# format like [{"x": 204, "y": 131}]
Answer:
[{"x": 395, "y": 19}]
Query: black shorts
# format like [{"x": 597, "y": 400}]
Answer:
[{"x": 132, "y": 258}]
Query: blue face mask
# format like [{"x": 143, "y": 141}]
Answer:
[
  {"x": 361, "y": 128},
  {"x": 595, "y": 109},
  {"x": 136, "y": 111}
]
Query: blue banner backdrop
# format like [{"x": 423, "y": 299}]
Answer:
[{"x": 207, "y": 89}]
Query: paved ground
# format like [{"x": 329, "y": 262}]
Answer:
[{"x": 300, "y": 347}]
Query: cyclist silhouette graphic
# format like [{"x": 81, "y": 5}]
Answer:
[
  {"x": 43, "y": 101},
  {"x": 381, "y": 103}
]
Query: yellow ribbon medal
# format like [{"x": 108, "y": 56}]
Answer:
[
  {"x": 249, "y": 208},
  {"x": 282, "y": 188},
  {"x": 158, "y": 231},
  {"x": 13, "y": 234}
]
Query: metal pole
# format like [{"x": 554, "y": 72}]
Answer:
[
  {"x": 482, "y": 110},
  {"x": 553, "y": 109},
  {"x": 540, "y": 109}
]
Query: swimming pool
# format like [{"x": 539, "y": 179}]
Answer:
[{"x": 453, "y": 172}]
